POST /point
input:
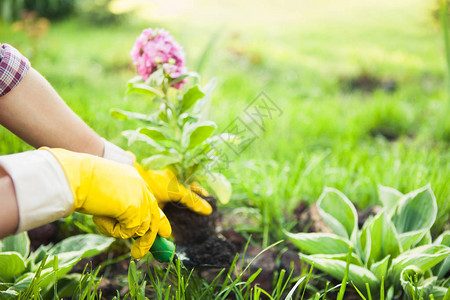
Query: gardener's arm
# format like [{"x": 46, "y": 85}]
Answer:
[{"x": 36, "y": 113}]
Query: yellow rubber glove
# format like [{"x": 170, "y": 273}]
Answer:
[
  {"x": 116, "y": 196},
  {"x": 166, "y": 188}
]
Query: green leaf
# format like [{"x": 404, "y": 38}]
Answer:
[
  {"x": 389, "y": 197},
  {"x": 383, "y": 240},
  {"x": 86, "y": 245},
  {"x": 134, "y": 136},
  {"x": 159, "y": 161},
  {"x": 142, "y": 88},
  {"x": 191, "y": 97},
  {"x": 444, "y": 267},
  {"x": 133, "y": 277},
  {"x": 423, "y": 257},
  {"x": 12, "y": 264},
  {"x": 19, "y": 243},
  {"x": 336, "y": 268},
  {"x": 129, "y": 115},
  {"x": 380, "y": 268},
  {"x": 414, "y": 216},
  {"x": 195, "y": 134},
  {"x": 338, "y": 212},
  {"x": 220, "y": 186},
  {"x": 7, "y": 295},
  {"x": 319, "y": 243},
  {"x": 154, "y": 133},
  {"x": 47, "y": 276},
  {"x": 354, "y": 259}
]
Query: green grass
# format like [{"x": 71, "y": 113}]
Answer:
[{"x": 326, "y": 135}]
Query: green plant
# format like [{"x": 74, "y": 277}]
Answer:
[
  {"x": 24, "y": 273},
  {"x": 175, "y": 130},
  {"x": 393, "y": 249}
]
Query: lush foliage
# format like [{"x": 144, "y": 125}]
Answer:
[
  {"x": 393, "y": 251},
  {"x": 23, "y": 273},
  {"x": 176, "y": 132}
]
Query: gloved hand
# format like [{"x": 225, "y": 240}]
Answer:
[
  {"x": 52, "y": 183},
  {"x": 166, "y": 188},
  {"x": 116, "y": 196},
  {"x": 163, "y": 184}
]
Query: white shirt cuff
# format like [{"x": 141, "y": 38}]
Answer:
[
  {"x": 117, "y": 154},
  {"x": 42, "y": 191}
]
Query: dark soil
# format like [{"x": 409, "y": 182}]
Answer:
[
  {"x": 215, "y": 251},
  {"x": 368, "y": 83},
  {"x": 197, "y": 235},
  {"x": 44, "y": 235},
  {"x": 309, "y": 219}
]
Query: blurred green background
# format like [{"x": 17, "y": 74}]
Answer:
[{"x": 361, "y": 84}]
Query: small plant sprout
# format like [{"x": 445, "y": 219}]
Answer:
[{"x": 177, "y": 135}]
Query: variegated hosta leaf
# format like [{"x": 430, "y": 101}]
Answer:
[
  {"x": 383, "y": 240},
  {"x": 338, "y": 212},
  {"x": 354, "y": 259},
  {"x": 19, "y": 243},
  {"x": 416, "y": 290},
  {"x": 319, "y": 243},
  {"x": 380, "y": 268},
  {"x": 336, "y": 268},
  {"x": 423, "y": 258},
  {"x": 389, "y": 197},
  {"x": 12, "y": 264},
  {"x": 414, "y": 216},
  {"x": 444, "y": 267}
]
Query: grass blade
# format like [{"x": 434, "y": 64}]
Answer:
[
  {"x": 294, "y": 288},
  {"x": 344, "y": 280}
]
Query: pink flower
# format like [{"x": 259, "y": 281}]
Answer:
[{"x": 156, "y": 48}]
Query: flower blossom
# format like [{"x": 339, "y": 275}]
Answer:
[{"x": 156, "y": 48}]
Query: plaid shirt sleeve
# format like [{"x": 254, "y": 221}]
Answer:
[{"x": 13, "y": 67}]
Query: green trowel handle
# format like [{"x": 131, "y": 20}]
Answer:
[{"x": 162, "y": 249}]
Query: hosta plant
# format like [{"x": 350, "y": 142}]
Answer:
[
  {"x": 21, "y": 271},
  {"x": 392, "y": 255},
  {"x": 173, "y": 126}
]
